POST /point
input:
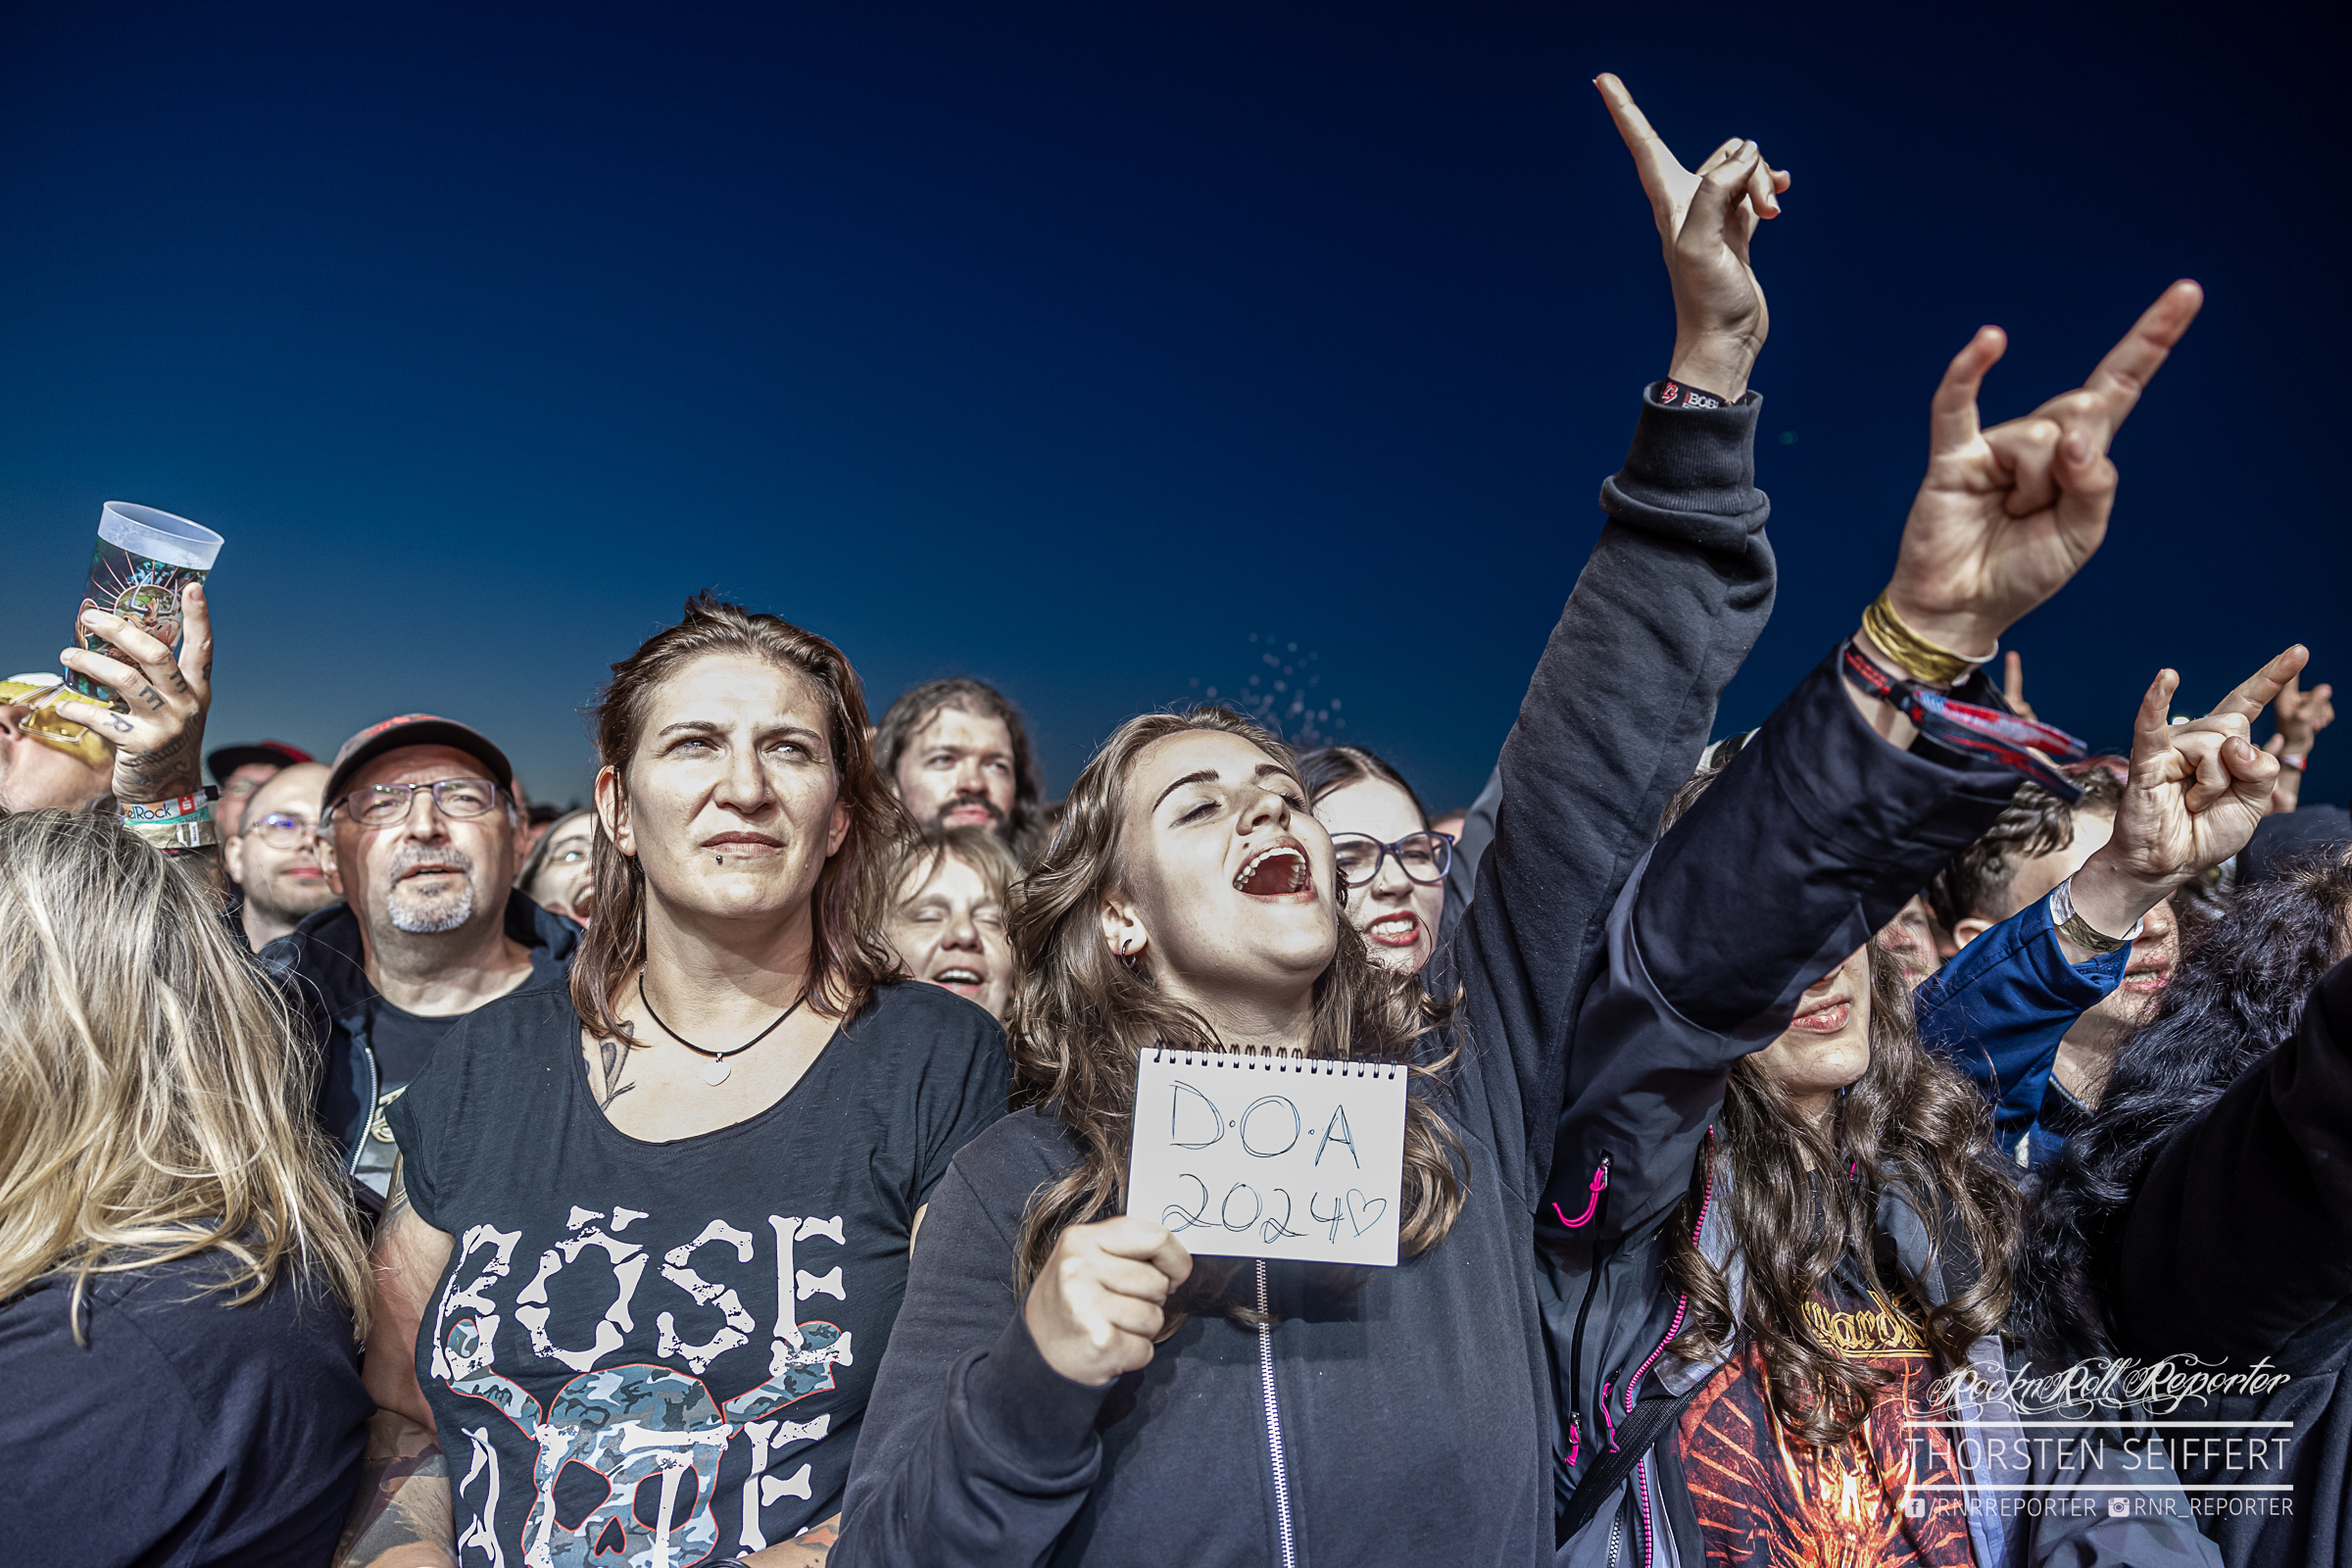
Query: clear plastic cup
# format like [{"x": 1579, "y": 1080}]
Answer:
[{"x": 144, "y": 561}]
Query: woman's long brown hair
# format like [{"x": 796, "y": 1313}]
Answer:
[
  {"x": 1804, "y": 1196},
  {"x": 1081, "y": 1020},
  {"x": 848, "y": 954}
]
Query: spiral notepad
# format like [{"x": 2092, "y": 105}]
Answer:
[{"x": 1270, "y": 1156}]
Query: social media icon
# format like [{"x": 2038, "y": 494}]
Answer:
[
  {"x": 2119, "y": 1507},
  {"x": 1915, "y": 1507}
]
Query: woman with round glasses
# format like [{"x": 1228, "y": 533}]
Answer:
[
  {"x": 1393, "y": 865},
  {"x": 560, "y": 874}
]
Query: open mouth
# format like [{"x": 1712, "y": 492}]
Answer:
[
  {"x": 413, "y": 873},
  {"x": 1826, "y": 1019},
  {"x": 1400, "y": 930},
  {"x": 1278, "y": 872},
  {"x": 2148, "y": 981},
  {"x": 961, "y": 978}
]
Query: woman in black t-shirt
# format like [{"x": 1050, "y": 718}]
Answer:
[{"x": 651, "y": 1229}]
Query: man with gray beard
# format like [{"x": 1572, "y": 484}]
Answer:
[{"x": 421, "y": 839}]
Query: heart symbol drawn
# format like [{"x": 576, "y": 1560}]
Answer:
[{"x": 1364, "y": 1212}]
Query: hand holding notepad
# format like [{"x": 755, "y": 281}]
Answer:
[{"x": 1270, "y": 1156}]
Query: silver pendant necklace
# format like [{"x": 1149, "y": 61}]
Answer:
[{"x": 716, "y": 1072}]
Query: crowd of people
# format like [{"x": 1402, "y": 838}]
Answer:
[{"x": 1888, "y": 1135}]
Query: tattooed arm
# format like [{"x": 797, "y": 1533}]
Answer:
[
  {"x": 807, "y": 1549},
  {"x": 401, "y": 1517},
  {"x": 408, "y": 1258},
  {"x": 158, "y": 736}
]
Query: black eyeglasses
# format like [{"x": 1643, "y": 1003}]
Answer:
[
  {"x": 281, "y": 828},
  {"x": 1422, "y": 857},
  {"x": 384, "y": 805}
]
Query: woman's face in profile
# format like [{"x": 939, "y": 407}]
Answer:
[{"x": 733, "y": 803}]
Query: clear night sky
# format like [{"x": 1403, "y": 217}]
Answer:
[{"x": 1070, "y": 346}]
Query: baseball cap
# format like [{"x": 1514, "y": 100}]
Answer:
[
  {"x": 273, "y": 754},
  {"x": 415, "y": 729}
]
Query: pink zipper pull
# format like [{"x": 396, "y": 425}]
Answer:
[{"x": 1601, "y": 1183}]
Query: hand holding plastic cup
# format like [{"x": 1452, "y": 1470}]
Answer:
[{"x": 145, "y": 559}]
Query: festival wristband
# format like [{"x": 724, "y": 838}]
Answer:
[
  {"x": 2298, "y": 761},
  {"x": 2071, "y": 926},
  {"x": 184, "y": 808},
  {"x": 1675, "y": 395},
  {"x": 179, "y": 838},
  {"x": 2022, "y": 744}
]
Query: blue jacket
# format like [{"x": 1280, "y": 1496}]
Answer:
[{"x": 1997, "y": 1012}]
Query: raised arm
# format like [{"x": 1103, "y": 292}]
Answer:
[
  {"x": 1843, "y": 808},
  {"x": 1676, "y": 590},
  {"x": 2196, "y": 791}
]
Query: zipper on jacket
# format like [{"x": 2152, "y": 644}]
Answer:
[
  {"x": 1576, "y": 1346},
  {"x": 1265, "y": 1374}
]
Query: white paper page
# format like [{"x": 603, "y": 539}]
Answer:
[{"x": 1270, "y": 1156}]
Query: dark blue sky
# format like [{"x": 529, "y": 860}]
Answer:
[{"x": 1069, "y": 346}]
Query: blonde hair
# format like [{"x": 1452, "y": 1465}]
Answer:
[{"x": 153, "y": 1088}]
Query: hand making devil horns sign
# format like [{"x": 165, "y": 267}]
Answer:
[
  {"x": 1705, "y": 219},
  {"x": 2006, "y": 516}
]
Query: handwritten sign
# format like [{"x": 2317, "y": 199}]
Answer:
[{"x": 1270, "y": 1156}]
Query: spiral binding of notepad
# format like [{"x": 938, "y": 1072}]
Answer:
[{"x": 1268, "y": 1062}]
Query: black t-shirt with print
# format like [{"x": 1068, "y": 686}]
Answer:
[
  {"x": 402, "y": 1042},
  {"x": 644, "y": 1345}
]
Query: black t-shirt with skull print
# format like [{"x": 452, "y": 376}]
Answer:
[{"x": 660, "y": 1352}]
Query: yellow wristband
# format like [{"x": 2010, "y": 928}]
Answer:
[{"x": 1930, "y": 661}]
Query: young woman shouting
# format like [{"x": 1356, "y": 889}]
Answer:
[
  {"x": 1068, "y": 1384},
  {"x": 651, "y": 1229}
]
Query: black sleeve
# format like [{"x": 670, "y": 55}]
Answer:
[
  {"x": 1461, "y": 875},
  {"x": 1620, "y": 706},
  {"x": 993, "y": 1472},
  {"x": 1813, "y": 837},
  {"x": 2238, "y": 1245},
  {"x": 966, "y": 1091}
]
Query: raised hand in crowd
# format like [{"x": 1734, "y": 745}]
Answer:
[
  {"x": 158, "y": 742},
  {"x": 2299, "y": 715},
  {"x": 2195, "y": 794},
  {"x": 158, "y": 738},
  {"x": 1705, "y": 217},
  {"x": 2007, "y": 515}
]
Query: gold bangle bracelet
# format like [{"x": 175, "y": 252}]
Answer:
[{"x": 1930, "y": 661}]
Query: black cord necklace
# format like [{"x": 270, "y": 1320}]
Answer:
[{"x": 717, "y": 1073}]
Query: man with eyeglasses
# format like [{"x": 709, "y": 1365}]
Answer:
[
  {"x": 240, "y": 771},
  {"x": 423, "y": 840},
  {"x": 274, "y": 854}
]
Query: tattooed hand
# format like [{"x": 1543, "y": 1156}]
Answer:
[{"x": 158, "y": 742}]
